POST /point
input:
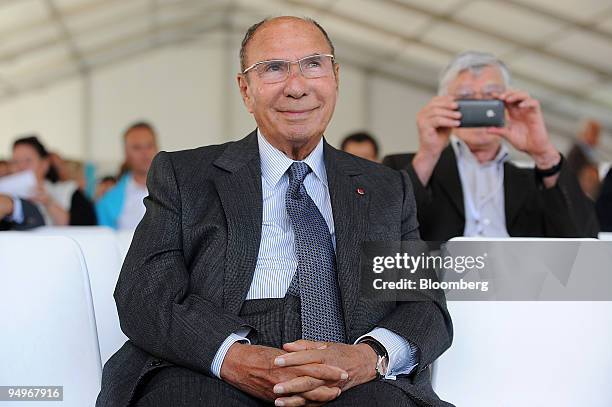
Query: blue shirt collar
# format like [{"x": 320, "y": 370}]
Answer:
[{"x": 274, "y": 163}]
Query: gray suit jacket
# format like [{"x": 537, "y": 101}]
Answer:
[{"x": 193, "y": 256}]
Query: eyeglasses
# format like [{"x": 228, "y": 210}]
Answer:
[
  {"x": 487, "y": 92},
  {"x": 278, "y": 70}
]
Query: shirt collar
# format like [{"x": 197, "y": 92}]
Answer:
[
  {"x": 274, "y": 163},
  {"x": 462, "y": 151}
]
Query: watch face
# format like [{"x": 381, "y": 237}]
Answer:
[{"x": 382, "y": 366}]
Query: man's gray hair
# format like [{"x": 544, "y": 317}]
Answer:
[{"x": 473, "y": 61}]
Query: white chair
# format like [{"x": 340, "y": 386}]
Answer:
[
  {"x": 103, "y": 261},
  {"x": 528, "y": 353},
  {"x": 124, "y": 240},
  {"x": 605, "y": 236},
  {"x": 48, "y": 335}
]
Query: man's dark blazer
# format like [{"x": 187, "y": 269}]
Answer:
[
  {"x": 531, "y": 209},
  {"x": 193, "y": 256},
  {"x": 604, "y": 203},
  {"x": 31, "y": 218},
  {"x": 577, "y": 159}
]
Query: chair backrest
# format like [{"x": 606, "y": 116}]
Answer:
[
  {"x": 48, "y": 335},
  {"x": 124, "y": 240},
  {"x": 519, "y": 353},
  {"x": 528, "y": 354},
  {"x": 520, "y": 239},
  {"x": 103, "y": 259},
  {"x": 605, "y": 236}
]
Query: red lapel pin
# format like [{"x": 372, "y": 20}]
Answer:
[{"x": 361, "y": 191}]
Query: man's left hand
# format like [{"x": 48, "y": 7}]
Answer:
[
  {"x": 358, "y": 360},
  {"x": 525, "y": 128},
  {"x": 526, "y": 131}
]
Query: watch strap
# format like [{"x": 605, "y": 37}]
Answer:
[
  {"x": 549, "y": 172},
  {"x": 381, "y": 354}
]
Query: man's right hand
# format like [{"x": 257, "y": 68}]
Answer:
[
  {"x": 251, "y": 369},
  {"x": 434, "y": 123}
]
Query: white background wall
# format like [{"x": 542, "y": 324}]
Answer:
[
  {"x": 189, "y": 93},
  {"x": 54, "y": 112},
  {"x": 178, "y": 89}
]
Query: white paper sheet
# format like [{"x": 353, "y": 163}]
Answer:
[{"x": 21, "y": 184}]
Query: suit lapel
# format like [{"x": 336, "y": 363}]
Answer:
[
  {"x": 350, "y": 212},
  {"x": 241, "y": 197},
  {"x": 447, "y": 175},
  {"x": 515, "y": 192}
]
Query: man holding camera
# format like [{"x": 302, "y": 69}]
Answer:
[{"x": 463, "y": 183}]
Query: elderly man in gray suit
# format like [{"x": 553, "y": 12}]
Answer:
[{"x": 241, "y": 286}]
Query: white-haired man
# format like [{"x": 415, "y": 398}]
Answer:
[{"x": 464, "y": 184}]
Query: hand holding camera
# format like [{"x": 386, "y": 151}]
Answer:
[
  {"x": 525, "y": 128},
  {"x": 512, "y": 114}
]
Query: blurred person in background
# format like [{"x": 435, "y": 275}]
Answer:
[
  {"x": 60, "y": 202},
  {"x": 104, "y": 185},
  {"x": 122, "y": 206},
  {"x": 582, "y": 158},
  {"x": 361, "y": 144},
  {"x": 67, "y": 170},
  {"x": 75, "y": 171},
  {"x": 58, "y": 168},
  {"x": 5, "y": 168},
  {"x": 18, "y": 214},
  {"x": 463, "y": 183},
  {"x": 588, "y": 178},
  {"x": 604, "y": 204},
  {"x": 123, "y": 169},
  {"x": 583, "y": 151}
]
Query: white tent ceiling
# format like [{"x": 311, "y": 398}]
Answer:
[{"x": 561, "y": 50}]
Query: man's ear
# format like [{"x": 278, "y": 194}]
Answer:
[
  {"x": 243, "y": 85},
  {"x": 337, "y": 75}
]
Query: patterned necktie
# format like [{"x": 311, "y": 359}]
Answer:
[{"x": 315, "y": 279}]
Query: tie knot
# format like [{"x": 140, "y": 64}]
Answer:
[{"x": 297, "y": 173}]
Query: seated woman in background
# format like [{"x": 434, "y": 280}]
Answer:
[{"x": 60, "y": 201}]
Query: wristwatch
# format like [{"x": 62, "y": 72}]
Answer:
[
  {"x": 549, "y": 172},
  {"x": 382, "y": 362}
]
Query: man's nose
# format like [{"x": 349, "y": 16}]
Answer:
[{"x": 296, "y": 84}]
